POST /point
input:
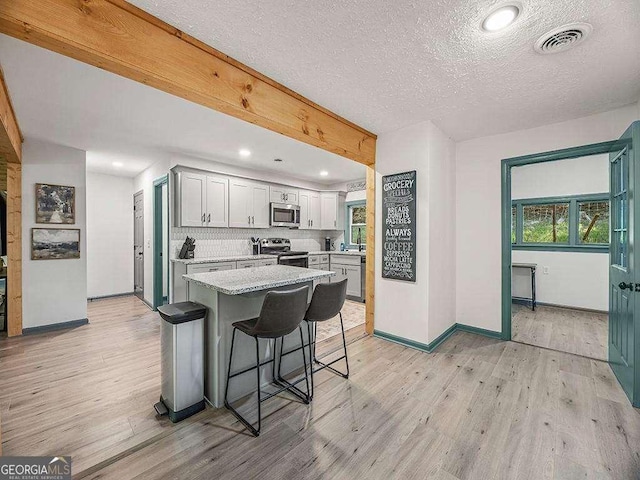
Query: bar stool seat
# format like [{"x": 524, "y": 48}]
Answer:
[
  {"x": 281, "y": 314},
  {"x": 326, "y": 303}
]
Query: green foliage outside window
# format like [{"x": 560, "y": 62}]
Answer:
[
  {"x": 594, "y": 222},
  {"x": 357, "y": 217},
  {"x": 546, "y": 223}
]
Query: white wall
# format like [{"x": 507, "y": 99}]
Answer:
[
  {"x": 578, "y": 279},
  {"x": 54, "y": 291},
  {"x": 478, "y": 251},
  {"x": 109, "y": 235},
  {"x": 420, "y": 311}
]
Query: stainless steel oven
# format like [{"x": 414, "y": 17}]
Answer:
[
  {"x": 300, "y": 260},
  {"x": 285, "y": 215}
]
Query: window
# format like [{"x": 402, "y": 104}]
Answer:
[
  {"x": 546, "y": 223},
  {"x": 579, "y": 222},
  {"x": 356, "y": 224}
]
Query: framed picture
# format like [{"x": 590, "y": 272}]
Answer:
[
  {"x": 55, "y": 243},
  {"x": 55, "y": 204}
]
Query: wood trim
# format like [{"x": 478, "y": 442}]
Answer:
[
  {"x": 10, "y": 136},
  {"x": 14, "y": 249},
  {"x": 120, "y": 38},
  {"x": 370, "y": 276}
]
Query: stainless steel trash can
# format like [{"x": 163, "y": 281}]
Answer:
[{"x": 182, "y": 360}]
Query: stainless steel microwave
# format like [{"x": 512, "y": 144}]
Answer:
[{"x": 285, "y": 215}]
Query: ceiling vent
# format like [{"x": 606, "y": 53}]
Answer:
[{"x": 563, "y": 38}]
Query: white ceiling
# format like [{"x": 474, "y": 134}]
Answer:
[
  {"x": 387, "y": 64},
  {"x": 118, "y": 120}
]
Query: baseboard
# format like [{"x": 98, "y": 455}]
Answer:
[
  {"x": 55, "y": 326},
  {"x": 555, "y": 305},
  {"x": 115, "y": 295},
  {"x": 428, "y": 348},
  {"x": 144, "y": 300}
]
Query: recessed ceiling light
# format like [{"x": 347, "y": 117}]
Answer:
[
  {"x": 244, "y": 152},
  {"x": 117, "y": 164},
  {"x": 324, "y": 173},
  {"x": 500, "y": 18}
]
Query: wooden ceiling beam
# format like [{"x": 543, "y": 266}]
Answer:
[
  {"x": 10, "y": 135},
  {"x": 119, "y": 37}
]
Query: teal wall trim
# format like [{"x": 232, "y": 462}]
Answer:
[
  {"x": 507, "y": 165},
  {"x": 55, "y": 326},
  {"x": 428, "y": 348},
  {"x": 556, "y": 247}
]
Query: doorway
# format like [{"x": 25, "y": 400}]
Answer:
[
  {"x": 160, "y": 242},
  {"x": 624, "y": 178},
  {"x": 138, "y": 245}
]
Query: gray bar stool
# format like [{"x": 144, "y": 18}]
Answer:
[
  {"x": 282, "y": 312},
  {"x": 327, "y": 302}
]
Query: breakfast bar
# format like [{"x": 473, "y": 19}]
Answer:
[{"x": 235, "y": 295}]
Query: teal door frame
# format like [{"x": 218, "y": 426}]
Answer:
[
  {"x": 158, "y": 290},
  {"x": 507, "y": 165}
]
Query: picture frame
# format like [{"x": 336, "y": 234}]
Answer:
[
  {"x": 55, "y": 204},
  {"x": 55, "y": 243}
]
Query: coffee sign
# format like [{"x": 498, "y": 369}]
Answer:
[{"x": 399, "y": 215}]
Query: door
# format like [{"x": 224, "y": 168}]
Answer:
[
  {"x": 623, "y": 276},
  {"x": 138, "y": 244},
  {"x": 240, "y": 198},
  {"x": 192, "y": 199},
  {"x": 314, "y": 210},
  {"x": 217, "y": 200},
  {"x": 329, "y": 211},
  {"x": 260, "y": 206},
  {"x": 305, "y": 219}
]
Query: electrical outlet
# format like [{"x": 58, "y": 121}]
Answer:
[{"x": 545, "y": 270}]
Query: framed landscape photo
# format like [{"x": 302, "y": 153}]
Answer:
[
  {"x": 55, "y": 204},
  {"x": 55, "y": 243}
]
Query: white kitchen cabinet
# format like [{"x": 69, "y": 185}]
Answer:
[
  {"x": 180, "y": 286},
  {"x": 309, "y": 210},
  {"x": 193, "y": 188},
  {"x": 246, "y": 264},
  {"x": 349, "y": 267},
  {"x": 282, "y": 194},
  {"x": 266, "y": 263},
  {"x": 332, "y": 210},
  {"x": 217, "y": 201},
  {"x": 353, "y": 280},
  {"x": 203, "y": 200},
  {"x": 210, "y": 267},
  {"x": 248, "y": 204}
]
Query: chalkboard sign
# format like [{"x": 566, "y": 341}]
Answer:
[{"x": 399, "y": 216}]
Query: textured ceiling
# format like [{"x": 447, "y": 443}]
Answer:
[
  {"x": 115, "y": 119},
  {"x": 387, "y": 64}
]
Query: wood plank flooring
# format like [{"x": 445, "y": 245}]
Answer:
[
  {"x": 477, "y": 408},
  {"x": 563, "y": 329}
]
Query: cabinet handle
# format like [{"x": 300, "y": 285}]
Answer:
[
  {"x": 209, "y": 219},
  {"x": 312, "y": 223},
  {"x": 253, "y": 220},
  {"x": 335, "y": 223},
  {"x": 249, "y": 221},
  {"x": 203, "y": 217}
]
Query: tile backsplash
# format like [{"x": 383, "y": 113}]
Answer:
[{"x": 222, "y": 242}]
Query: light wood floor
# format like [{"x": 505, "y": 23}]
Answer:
[
  {"x": 475, "y": 409},
  {"x": 564, "y": 329},
  {"x": 353, "y": 316}
]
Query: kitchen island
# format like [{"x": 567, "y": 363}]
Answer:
[{"x": 235, "y": 295}]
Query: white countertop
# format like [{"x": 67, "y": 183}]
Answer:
[
  {"x": 245, "y": 280},
  {"x": 236, "y": 258},
  {"x": 338, "y": 252}
]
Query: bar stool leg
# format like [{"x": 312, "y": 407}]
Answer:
[
  {"x": 328, "y": 365},
  {"x": 311, "y": 356},
  {"x": 244, "y": 421},
  {"x": 305, "y": 397}
]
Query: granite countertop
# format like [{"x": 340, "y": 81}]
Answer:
[
  {"x": 338, "y": 252},
  {"x": 236, "y": 258},
  {"x": 245, "y": 280}
]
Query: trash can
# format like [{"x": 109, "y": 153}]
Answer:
[{"x": 182, "y": 360}]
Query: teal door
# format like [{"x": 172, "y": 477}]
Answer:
[{"x": 624, "y": 273}]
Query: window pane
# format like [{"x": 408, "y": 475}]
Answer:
[
  {"x": 594, "y": 222},
  {"x": 546, "y": 223},
  {"x": 513, "y": 224},
  {"x": 358, "y": 230},
  {"x": 359, "y": 215}
]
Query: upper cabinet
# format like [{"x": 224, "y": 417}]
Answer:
[
  {"x": 203, "y": 200},
  {"x": 332, "y": 210},
  {"x": 310, "y": 216},
  {"x": 282, "y": 194},
  {"x": 248, "y": 204}
]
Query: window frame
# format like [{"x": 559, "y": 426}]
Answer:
[
  {"x": 347, "y": 223},
  {"x": 574, "y": 244}
]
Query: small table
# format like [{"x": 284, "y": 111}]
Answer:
[{"x": 532, "y": 267}]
